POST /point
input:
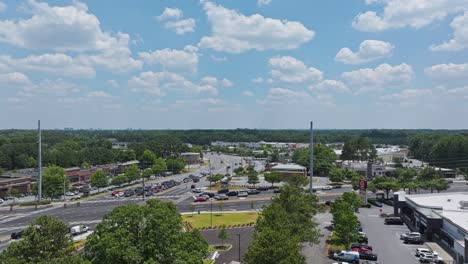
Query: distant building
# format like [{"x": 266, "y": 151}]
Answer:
[
  {"x": 366, "y": 169},
  {"x": 440, "y": 218},
  {"x": 191, "y": 157},
  {"x": 22, "y": 184},
  {"x": 287, "y": 169},
  {"x": 392, "y": 154}
]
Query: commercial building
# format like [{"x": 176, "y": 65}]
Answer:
[
  {"x": 287, "y": 169},
  {"x": 21, "y": 184},
  {"x": 366, "y": 169},
  {"x": 191, "y": 157},
  {"x": 392, "y": 154},
  {"x": 441, "y": 218}
]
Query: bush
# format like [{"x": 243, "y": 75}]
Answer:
[
  {"x": 31, "y": 203},
  {"x": 332, "y": 248}
]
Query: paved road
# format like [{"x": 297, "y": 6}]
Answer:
[{"x": 211, "y": 237}]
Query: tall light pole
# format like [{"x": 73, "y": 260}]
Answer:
[
  {"x": 239, "y": 247},
  {"x": 211, "y": 213},
  {"x": 39, "y": 162},
  {"x": 311, "y": 147}
]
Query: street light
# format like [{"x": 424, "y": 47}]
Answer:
[
  {"x": 239, "y": 247},
  {"x": 211, "y": 214}
]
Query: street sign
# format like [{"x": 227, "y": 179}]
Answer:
[{"x": 362, "y": 184}]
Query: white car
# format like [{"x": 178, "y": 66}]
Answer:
[
  {"x": 410, "y": 234},
  {"x": 328, "y": 187},
  {"x": 430, "y": 258},
  {"x": 197, "y": 190},
  {"x": 421, "y": 251}
]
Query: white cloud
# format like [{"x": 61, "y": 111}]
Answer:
[
  {"x": 280, "y": 95},
  {"x": 69, "y": 28},
  {"x": 408, "y": 94},
  {"x": 14, "y": 79},
  {"x": 185, "y": 60},
  {"x": 460, "y": 35},
  {"x": 291, "y": 70},
  {"x": 449, "y": 71},
  {"x": 98, "y": 95},
  {"x": 247, "y": 93},
  {"x": 263, "y": 2},
  {"x": 213, "y": 81},
  {"x": 407, "y": 13},
  {"x": 213, "y": 57},
  {"x": 382, "y": 76},
  {"x": 172, "y": 19},
  {"x": 113, "y": 83},
  {"x": 330, "y": 86},
  {"x": 54, "y": 64},
  {"x": 235, "y": 33},
  {"x": 369, "y": 50},
  {"x": 3, "y": 6},
  {"x": 160, "y": 83},
  {"x": 458, "y": 91},
  {"x": 56, "y": 87}
]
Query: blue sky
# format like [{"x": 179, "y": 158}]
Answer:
[{"x": 234, "y": 64}]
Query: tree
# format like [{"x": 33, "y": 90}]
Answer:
[
  {"x": 252, "y": 205},
  {"x": 440, "y": 185},
  {"x": 119, "y": 179},
  {"x": 384, "y": 183},
  {"x": 351, "y": 198},
  {"x": 428, "y": 173},
  {"x": 223, "y": 235},
  {"x": 350, "y": 174},
  {"x": 324, "y": 158},
  {"x": 253, "y": 178},
  {"x": 272, "y": 177},
  {"x": 147, "y": 159},
  {"x": 159, "y": 166},
  {"x": 132, "y": 173},
  {"x": 355, "y": 181},
  {"x": 44, "y": 241},
  {"x": 214, "y": 178},
  {"x": 336, "y": 175},
  {"x": 14, "y": 193},
  {"x": 175, "y": 165},
  {"x": 345, "y": 222},
  {"x": 239, "y": 170},
  {"x": 221, "y": 206},
  {"x": 99, "y": 179},
  {"x": 274, "y": 156},
  {"x": 152, "y": 233},
  {"x": 147, "y": 173},
  {"x": 52, "y": 182},
  {"x": 84, "y": 164},
  {"x": 358, "y": 148}
]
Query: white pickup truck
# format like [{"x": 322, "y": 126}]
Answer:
[{"x": 79, "y": 229}]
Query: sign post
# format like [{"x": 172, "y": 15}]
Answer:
[{"x": 363, "y": 191}]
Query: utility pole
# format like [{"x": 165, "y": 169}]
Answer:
[
  {"x": 39, "y": 185},
  {"x": 209, "y": 164},
  {"x": 239, "y": 247},
  {"x": 311, "y": 147},
  {"x": 211, "y": 214},
  {"x": 64, "y": 187}
]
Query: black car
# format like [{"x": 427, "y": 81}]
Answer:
[
  {"x": 223, "y": 191},
  {"x": 210, "y": 194},
  {"x": 253, "y": 191},
  {"x": 363, "y": 240},
  {"x": 196, "y": 179},
  {"x": 231, "y": 193},
  {"x": 277, "y": 191},
  {"x": 393, "y": 221},
  {"x": 368, "y": 256},
  {"x": 129, "y": 193},
  {"x": 16, "y": 235},
  {"x": 337, "y": 186},
  {"x": 263, "y": 188},
  {"x": 413, "y": 240}
]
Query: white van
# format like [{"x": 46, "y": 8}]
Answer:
[{"x": 347, "y": 256}]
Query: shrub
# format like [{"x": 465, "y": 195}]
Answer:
[{"x": 30, "y": 203}]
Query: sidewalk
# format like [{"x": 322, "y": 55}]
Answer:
[{"x": 442, "y": 253}]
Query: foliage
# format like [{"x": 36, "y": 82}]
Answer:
[
  {"x": 336, "y": 175},
  {"x": 147, "y": 159},
  {"x": 239, "y": 171},
  {"x": 159, "y": 166},
  {"x": 144, "y": 234},
  {"x": 253, "y": 178},
  {"x": 99, "y": 179},
  {"x": 384, "y": 183},
  {"x": 324, "y": 158},
  {"x": 132, "y": 173},
  {"x": 52, "y": 182},
  {"x": 214, "y": 178},
  {"x": 46, "y": 240},
  {"x": 273, "y": 177},
  {"x": 147, "y": 173},
  {"x": 223, "y": 235},
  {"x": 345, "y": 221},
  {"x": 175, "y": 164},
  {"x": 355, "y": 180},
  {"x": 358, "y": 148},
  {"x": 119, "y": 179}
]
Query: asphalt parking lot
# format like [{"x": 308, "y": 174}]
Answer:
[{"x": 385, "y": 239}]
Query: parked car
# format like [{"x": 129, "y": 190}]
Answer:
[
  {"x": 413, "y": 240},
  {"x": 421, "y": 251},
  {"x": 408, "y": 234},
  {"x": 393, "y": 221},
  {"x": 242, "y": 194},
  {"x": 200, "y": 199},
  {"x": 253, "y": 191},
  {"x": 197, "y": 190},
  {"x": 232, "y": 193},
  {"x": 361, "y": 247},
  {"x": 346, "y": 256},
  {"x": 193, "y": 186},
  {"x": 375, "y": 203},
  {"x": 129, "y": 193},
  {"x": 337, "y": 186},
  {"x": 221, "y": 197},
  {"x": 430, "y": 258},
  {"x": 223, "y": 191},
  {"x": 263, "y": 188},
  {"x": 328, "y": 187},
  {"x": 70, "y": 194},
  {"x": 366, "y": 255},
  {"x": 277, "y": 190},
  {"x": 16, "y": 235},
  {"x": 114, "y": 193},
  {"x": 209, "y": 194},
  {"x": 79, "y": 229},
  {"x": 196, "y": 179}
]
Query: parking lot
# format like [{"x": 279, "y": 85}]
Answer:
[{"x": 385, "y": 239}]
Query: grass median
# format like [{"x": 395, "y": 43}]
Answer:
[{"x": 227, "y": 219}]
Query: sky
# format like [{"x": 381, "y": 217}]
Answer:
[{"x": 189, "y": 64}]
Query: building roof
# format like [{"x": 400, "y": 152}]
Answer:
[
  {"x": 439, "y": 201},
  {"x": 189, "y": 153},
  {"x": 459, "y": 218},
  {"x": 289, "y": 166}
]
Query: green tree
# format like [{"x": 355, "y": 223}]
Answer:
[
  {"x": 385, "y": 184},
  {"x": 99, "y": 179},
  {"x": 428, "y": 173},
  {"x": 440, "y": 185},
  {"x": 274, "y": 156},
  {"x": 214, "y": 178},
  {"x": 52, "y": 182},
  {"x": 272, "y": 177},
  {"x": 223, "y": 235},
  {"x": 350, "y": 174},
  {"x": 324, "y": 158},
  {"x": 119, "y": 179},
  {"x": 147, "y": 173},
  {"x": 46, "y": 240},
  {"x": 153, "y": 233},
  {"x": 345, "y": 222},
  {"x": 337, "y": 175},
  {"x": 358, "y": 148},
  {"x": 175, "y": 165},
  {"x": 147, "y": 159},
  {"x": 351, "y": 198},
  {"x": 253, "y": 178},
  {"x": 85, "y": 164},
  {"x": 132, "y": 173},
  {"x": 221, "y": 206},
  {"x": 355, "y": 181},
  {"x": 159, "y": 166},
  {"x": 239, "y": 170}
]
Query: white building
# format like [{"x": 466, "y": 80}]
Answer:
[
  {"x": 442, "y": 218},
  {"x": 370, "y": 170},
  {"x": 288, "y": 169},
  {"x": 392, "y": 154},
  {"x": 191, "y": 157}
]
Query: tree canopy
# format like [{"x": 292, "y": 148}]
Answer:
[{"x": 99, "y": 179}]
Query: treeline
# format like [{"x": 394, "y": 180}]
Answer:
[{"x": 448, "y": 151}]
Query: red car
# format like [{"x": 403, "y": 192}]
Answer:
[
  {"x": 200, "y": 199},
  {"x": 114, "y": 193},
  {"x": 361, "y": 248}
]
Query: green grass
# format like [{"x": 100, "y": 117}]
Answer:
[
  {"x": 31, "y": 203},
  {"x": 227, "y": 219},
  {"x": 208, "y": 261},
  {"x": 225, "y": 247}
]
